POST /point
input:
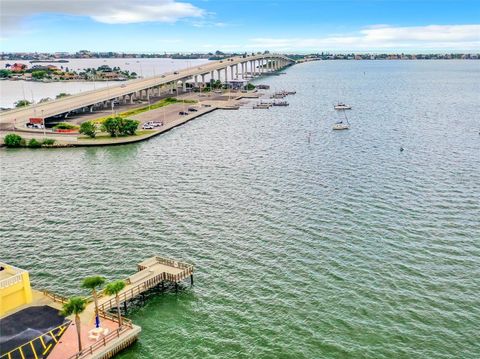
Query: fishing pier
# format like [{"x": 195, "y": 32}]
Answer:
[{"x": 153, "y": 272}]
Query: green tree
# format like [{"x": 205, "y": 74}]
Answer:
[
  {"x": 112, "y": 126},
  {"x": 128, "y": 127},
  {"x": 93, "y": 283},
  {"x": 22, "y": 103},
  {"x": 75, "y": 305},
  {"x": 89, "y": 129},
  {"x": 12, "y": 140},
  {"x": 114, "y": 288},
  {"x": 250, "y": 87}
]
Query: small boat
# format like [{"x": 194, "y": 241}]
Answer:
[
  {"x": 261, "y": 106},
  {"x": 342, "y": 124},
  {"x": 342, "y": 106},
  {"x": 280, "y": 103}
]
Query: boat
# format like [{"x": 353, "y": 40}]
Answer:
[
  {"x": 261, "y": 106},
  {"x": 280, "y": 103},
  {"x": 342, "y": 124},
  {"x": 342, "y": 106}
]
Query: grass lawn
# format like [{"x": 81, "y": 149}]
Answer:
[
  {"x": 102, "y": 136},
  {"x": 165, "y": 102}
]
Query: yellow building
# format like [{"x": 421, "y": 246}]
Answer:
[{"x": 15, "y": 288}]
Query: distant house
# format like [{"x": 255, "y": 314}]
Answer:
[
  {"x": 17, "y": 67},
  {"x": 110, "y": 75},
  {"x": 70, "y": 76}
]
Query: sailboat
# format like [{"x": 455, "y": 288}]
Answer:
[
  {"x": 343, "y": 124},
  {"x": 342, "y": 106}
]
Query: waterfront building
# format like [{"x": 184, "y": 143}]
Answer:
[{"x": 15, "y": 290}]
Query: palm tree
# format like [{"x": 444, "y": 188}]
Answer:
[
  {"x": 114, "y": 288},
  {"x": 75, "y": 305},
  {"x": 93, "y": 283}
]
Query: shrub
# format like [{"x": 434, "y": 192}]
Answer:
[
  {"x": 250, "y": 87},
  {"x": 39, "y": 74},
  {"x": 48, "y": 142},
  {"x": 62, "y": 94},
  {"x": 65, "y": 126},
  {"x": 33, "y": 143},
  {"x": 89, "y": 129},
  {"x": 12, "y": 140}
]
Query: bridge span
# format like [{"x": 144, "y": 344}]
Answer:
[{"x": 127, "y": 92}]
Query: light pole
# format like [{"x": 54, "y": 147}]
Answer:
[{"x": 44, "y": 128}]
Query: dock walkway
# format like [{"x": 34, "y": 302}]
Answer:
[{"x": 151, "y": 273}]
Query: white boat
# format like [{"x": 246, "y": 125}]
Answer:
[
  {"x": 342, "y": 106},
  {"x": 342, "y": 124}
]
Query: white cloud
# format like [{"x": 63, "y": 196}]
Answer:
[
  {"x": 13, "y": 12},
  {"x": 378, "y": 37}
]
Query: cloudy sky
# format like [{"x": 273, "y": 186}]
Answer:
[{"x": 240, "y": 25}]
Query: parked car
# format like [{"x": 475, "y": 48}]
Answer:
[
  {"x": 34, "y": 125},
  {"x": 191, "y": 109},
  {"x": 183, "y": 113},
  {"x": 175, "y": 73},
  {"x": 123, "y": 85}
]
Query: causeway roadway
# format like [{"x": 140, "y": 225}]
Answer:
[{"x": 240, "y": 68}]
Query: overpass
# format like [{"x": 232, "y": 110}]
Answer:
[{"x": 227, "y": 69}]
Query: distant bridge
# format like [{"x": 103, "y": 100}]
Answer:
[{"x": 228, "y": 69}]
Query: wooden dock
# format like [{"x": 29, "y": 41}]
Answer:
[{"x": 151, "y": 273}]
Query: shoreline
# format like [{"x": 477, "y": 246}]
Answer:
[{"x": 74, "y": 140}]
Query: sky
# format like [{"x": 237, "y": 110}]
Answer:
[{"x": 295, "y": 26}]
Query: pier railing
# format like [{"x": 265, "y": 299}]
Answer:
[
  {"x": 132, "y": 292},
  {"x": 101, "y": 342},
  {"x": 172, "y": 263},
  {"x": 114, "y": 318},
  {"x": 55, "y": 297}
]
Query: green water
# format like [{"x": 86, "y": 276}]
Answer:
[{"x": 338, "y": 247}]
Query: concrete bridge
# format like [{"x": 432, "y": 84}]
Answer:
[{"x": 127, "y": 92}]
